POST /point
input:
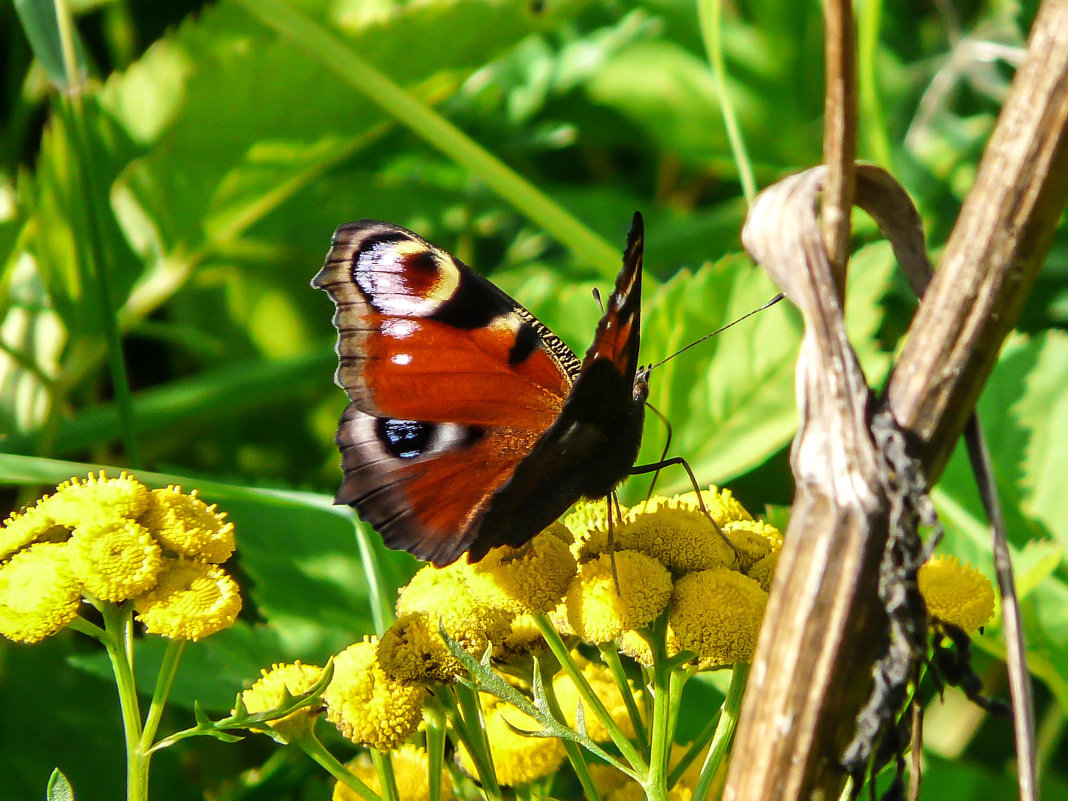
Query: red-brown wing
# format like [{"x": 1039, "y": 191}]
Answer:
[{"x": 451, "y": 383}]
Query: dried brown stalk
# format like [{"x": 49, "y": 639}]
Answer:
[{"x": 811, "y": 672}]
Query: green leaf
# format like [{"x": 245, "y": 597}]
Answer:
[
  {"x": 39, "y": 21},
  {"x": 59, "y": 788}
]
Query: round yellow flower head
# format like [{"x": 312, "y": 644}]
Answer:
[
  {"x": 191, "y": 600},
  {"x": 410, "y": 651},
  {"x": 677, "y": 534},
  {"x": 269, "y": 691},
  {"x": 522, "y": 640},
  {"x": 39, "y": 594},
  {"x": 588, "y": 522},
  {"x": 518, "y": 759},
  {"x": 763, "y": 570},
  {"x": 96, "y": 498},
  {"x": 956, "y": 594},
  {"x": 753, "y": 539},
  {"x": 187, "y": 526},
  {"x": 716, "y": 613},
  {"x": 366, "y": 705},
  {"x": 31, "y": 525},
  {"x": 444, "y": 595},
  {"x": 598, "y": 613},
  {"x": 411, "y": 767},
  {"x": 606, "y": 689},
  {"x": 635, "y": 646},
  {"x": 721, "y": 504},
  {"x": 529, "y": 579},
  {"x": 116, "y": 559}
]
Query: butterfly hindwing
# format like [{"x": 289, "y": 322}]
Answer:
[{"x": 471, "y": 425}]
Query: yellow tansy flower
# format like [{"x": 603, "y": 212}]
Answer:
[
  {"x": 588, "y": 522},
  {"x": 753, "y": 539},
  {"x": 366, "y": 705},
  {"x": 191, "y": 600},
  {"x": 523, "y": 639},
  {"x": 411, "y": 766},
  {"x": 956, "y": 594},
  {"x": 269, "y": 691},
  {"x": 96, "y": 498},
  {"x": 721, "y": 504},
  {"x": 187, "y": 526},
  {"x": 529, "y": 579},
  {"x": 38, "y": 593},
  {"x": 116, "y": 559},
  {"x": 410, "y": 651},
  {"x": 763, "y": 571},
  {"x": 677, "y": 534},
  {"x": 517, "y": 758},
  {"x": 31, "y": 525},
  {"x": 605, "y": 688},
  {"x": 716, "y": 613},
  {"x": 599, "y": 613},
  {"x": 444, "y": 595},
  {"x": 634, "y": 645}
]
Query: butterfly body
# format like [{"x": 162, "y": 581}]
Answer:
[{"x": 470, "y": 424}]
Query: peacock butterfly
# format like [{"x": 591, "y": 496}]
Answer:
[{"x": 472, "y": 425}]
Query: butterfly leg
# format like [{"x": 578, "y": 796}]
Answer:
[
  {"x": 612, "y": 537},
  {"x": 663, "y": 453},
  {"x": 656, "y": 467}
]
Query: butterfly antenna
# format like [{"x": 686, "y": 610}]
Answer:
[
  {"x": 597, "y": 297},
  {"x": 767, "y": 305},
  {"x": 663, "y": 453}
]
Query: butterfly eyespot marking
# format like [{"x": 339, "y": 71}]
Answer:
[
  {"x": 408, "y": 439},
  {"x": 401, "y": 277}
]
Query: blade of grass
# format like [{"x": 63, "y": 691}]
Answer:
[{"x": 335, "y": 55}]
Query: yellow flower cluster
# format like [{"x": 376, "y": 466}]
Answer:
[
  {"x": 115, "y": 540},
  {"x": 668, "y": 554}
]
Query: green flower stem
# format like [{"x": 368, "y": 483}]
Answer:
[
  {"x": 335, "y": 55},
  {"x": 435, "y": 748},
  {"x": 611, "y": 658},
  {"x": 710, "y": 13},
  {"x": 660, "y": 734},
  {"x": 381, "y": 604},
  {"x": 677, "y": 680},
  {"x": 574, "y": 752},
  {"x": 622, "y": 742},
  {"x": 724, "y": 736},
  {"x": 311, "y": 746},
  {"x": 117, "y": 642},
  {"x": 167, "y": 671},
  {"x": 387, "y": 780},
  {"x": 83, "y": 626},
  {"x": 471, "y": 732},
  {"x": 695, "y": 749}
]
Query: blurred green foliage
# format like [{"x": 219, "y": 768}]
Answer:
[{"x": 224, "y": 157}]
